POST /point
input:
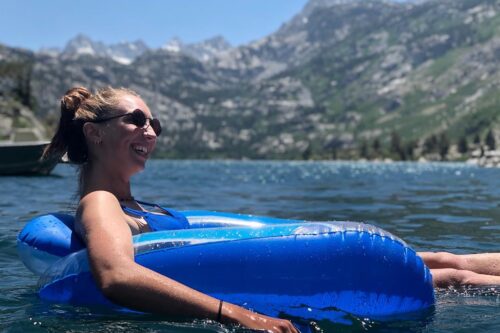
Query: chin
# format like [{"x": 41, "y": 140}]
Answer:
[
  {"x": 136, "y": 168},
  {"x": 139, "y": 163},
  {"x": 140, "y": 167}
]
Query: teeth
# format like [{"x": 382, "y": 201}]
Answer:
[{"x": 141, "y": 149}]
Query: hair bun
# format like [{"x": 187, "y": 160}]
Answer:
[
  {"x": 64, "y": 140},
  {"x": 72, "y": 100}
]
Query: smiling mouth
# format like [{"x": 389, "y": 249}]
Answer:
[{"x": 142, "y": 150}]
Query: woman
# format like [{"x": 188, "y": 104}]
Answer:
[
  {"x": 468, "y": 269},
  {"x": 111, "y": 134}
]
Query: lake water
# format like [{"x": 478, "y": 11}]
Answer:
[{"x": 451, "y": 207}]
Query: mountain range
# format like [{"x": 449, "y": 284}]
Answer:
[
  {"x": 126, "y": 52},
  {"x": 337, "y": 77}
]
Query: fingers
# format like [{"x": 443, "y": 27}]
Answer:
[
  {"x": 292, "y": 327},
  {"x": 284, "y": 326},
  {"x": 262, "y": 322}
]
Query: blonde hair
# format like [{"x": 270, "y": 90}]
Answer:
[{"x": 78, "y": 106}]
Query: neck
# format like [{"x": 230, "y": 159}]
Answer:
[{"x": 100, "y": 179}]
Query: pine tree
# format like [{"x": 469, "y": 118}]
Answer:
[
  {"x": 490, "y": 140},
  {"x": 376, "y": 146},
  {"x": 463, "y": 145},
  {"x": 410, "y": 149},
  {"x": 444, "y": 145},
  {"x": 430, "y": 144},
  {"x": 306, "y": 154},
  {"x": 396, "y": 146},
  {"x": 477, "y": 139}
]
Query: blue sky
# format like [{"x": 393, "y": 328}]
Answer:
[{"x": 47, "y": 23}]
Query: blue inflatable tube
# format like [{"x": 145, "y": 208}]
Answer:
[{"x": 312, "y": 270}]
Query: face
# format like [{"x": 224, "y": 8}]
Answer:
[{"x": 126, "y": 146}]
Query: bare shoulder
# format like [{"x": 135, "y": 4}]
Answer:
[
  {"x": 97, "y": 211},
  {"x": 99, "y": 200},
  {"x": 101, "y": 223}
]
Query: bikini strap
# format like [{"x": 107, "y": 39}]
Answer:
[
  {"x": 176, "y": 219},
  {"x": 134, "y": 211},
  {"x": 144, "y": 213},
  {"x": 164, "y": 209}
]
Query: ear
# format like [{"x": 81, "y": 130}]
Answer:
[{"x": 92, "y": 132}]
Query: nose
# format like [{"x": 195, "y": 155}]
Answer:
[{"x": 148, "y": 130}]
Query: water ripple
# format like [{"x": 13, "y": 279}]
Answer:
[{"x": 433, "y": 206}]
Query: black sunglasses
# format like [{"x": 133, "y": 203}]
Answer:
[{"x": 137, "y": 118}]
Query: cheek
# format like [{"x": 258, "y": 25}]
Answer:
[{"x": 116, "y": 143}]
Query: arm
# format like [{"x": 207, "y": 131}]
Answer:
[{"x": 100, "y": 222}]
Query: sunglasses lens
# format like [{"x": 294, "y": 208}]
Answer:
[
  {"x": 155, "y": 124},
  {"x": 138, "y": 118}
]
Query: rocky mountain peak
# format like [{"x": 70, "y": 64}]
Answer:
[
  {"x": 123, "y": 52},
  {"x": 202, "y": 51},
  {"x": 82, "y": 44},
  {"x": 173, "y": 45}
]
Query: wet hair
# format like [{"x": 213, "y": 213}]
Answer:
[{"x": 78, "y": 106}]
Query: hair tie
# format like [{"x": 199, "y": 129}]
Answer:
[{"x": 219, "y": 314}]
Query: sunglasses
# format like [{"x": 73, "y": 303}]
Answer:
[{"x": 137, "y": 118}]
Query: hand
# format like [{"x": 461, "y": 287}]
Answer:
[
  {"x": 252, "y": 320},
  {"x": 270, "y": 324}
]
